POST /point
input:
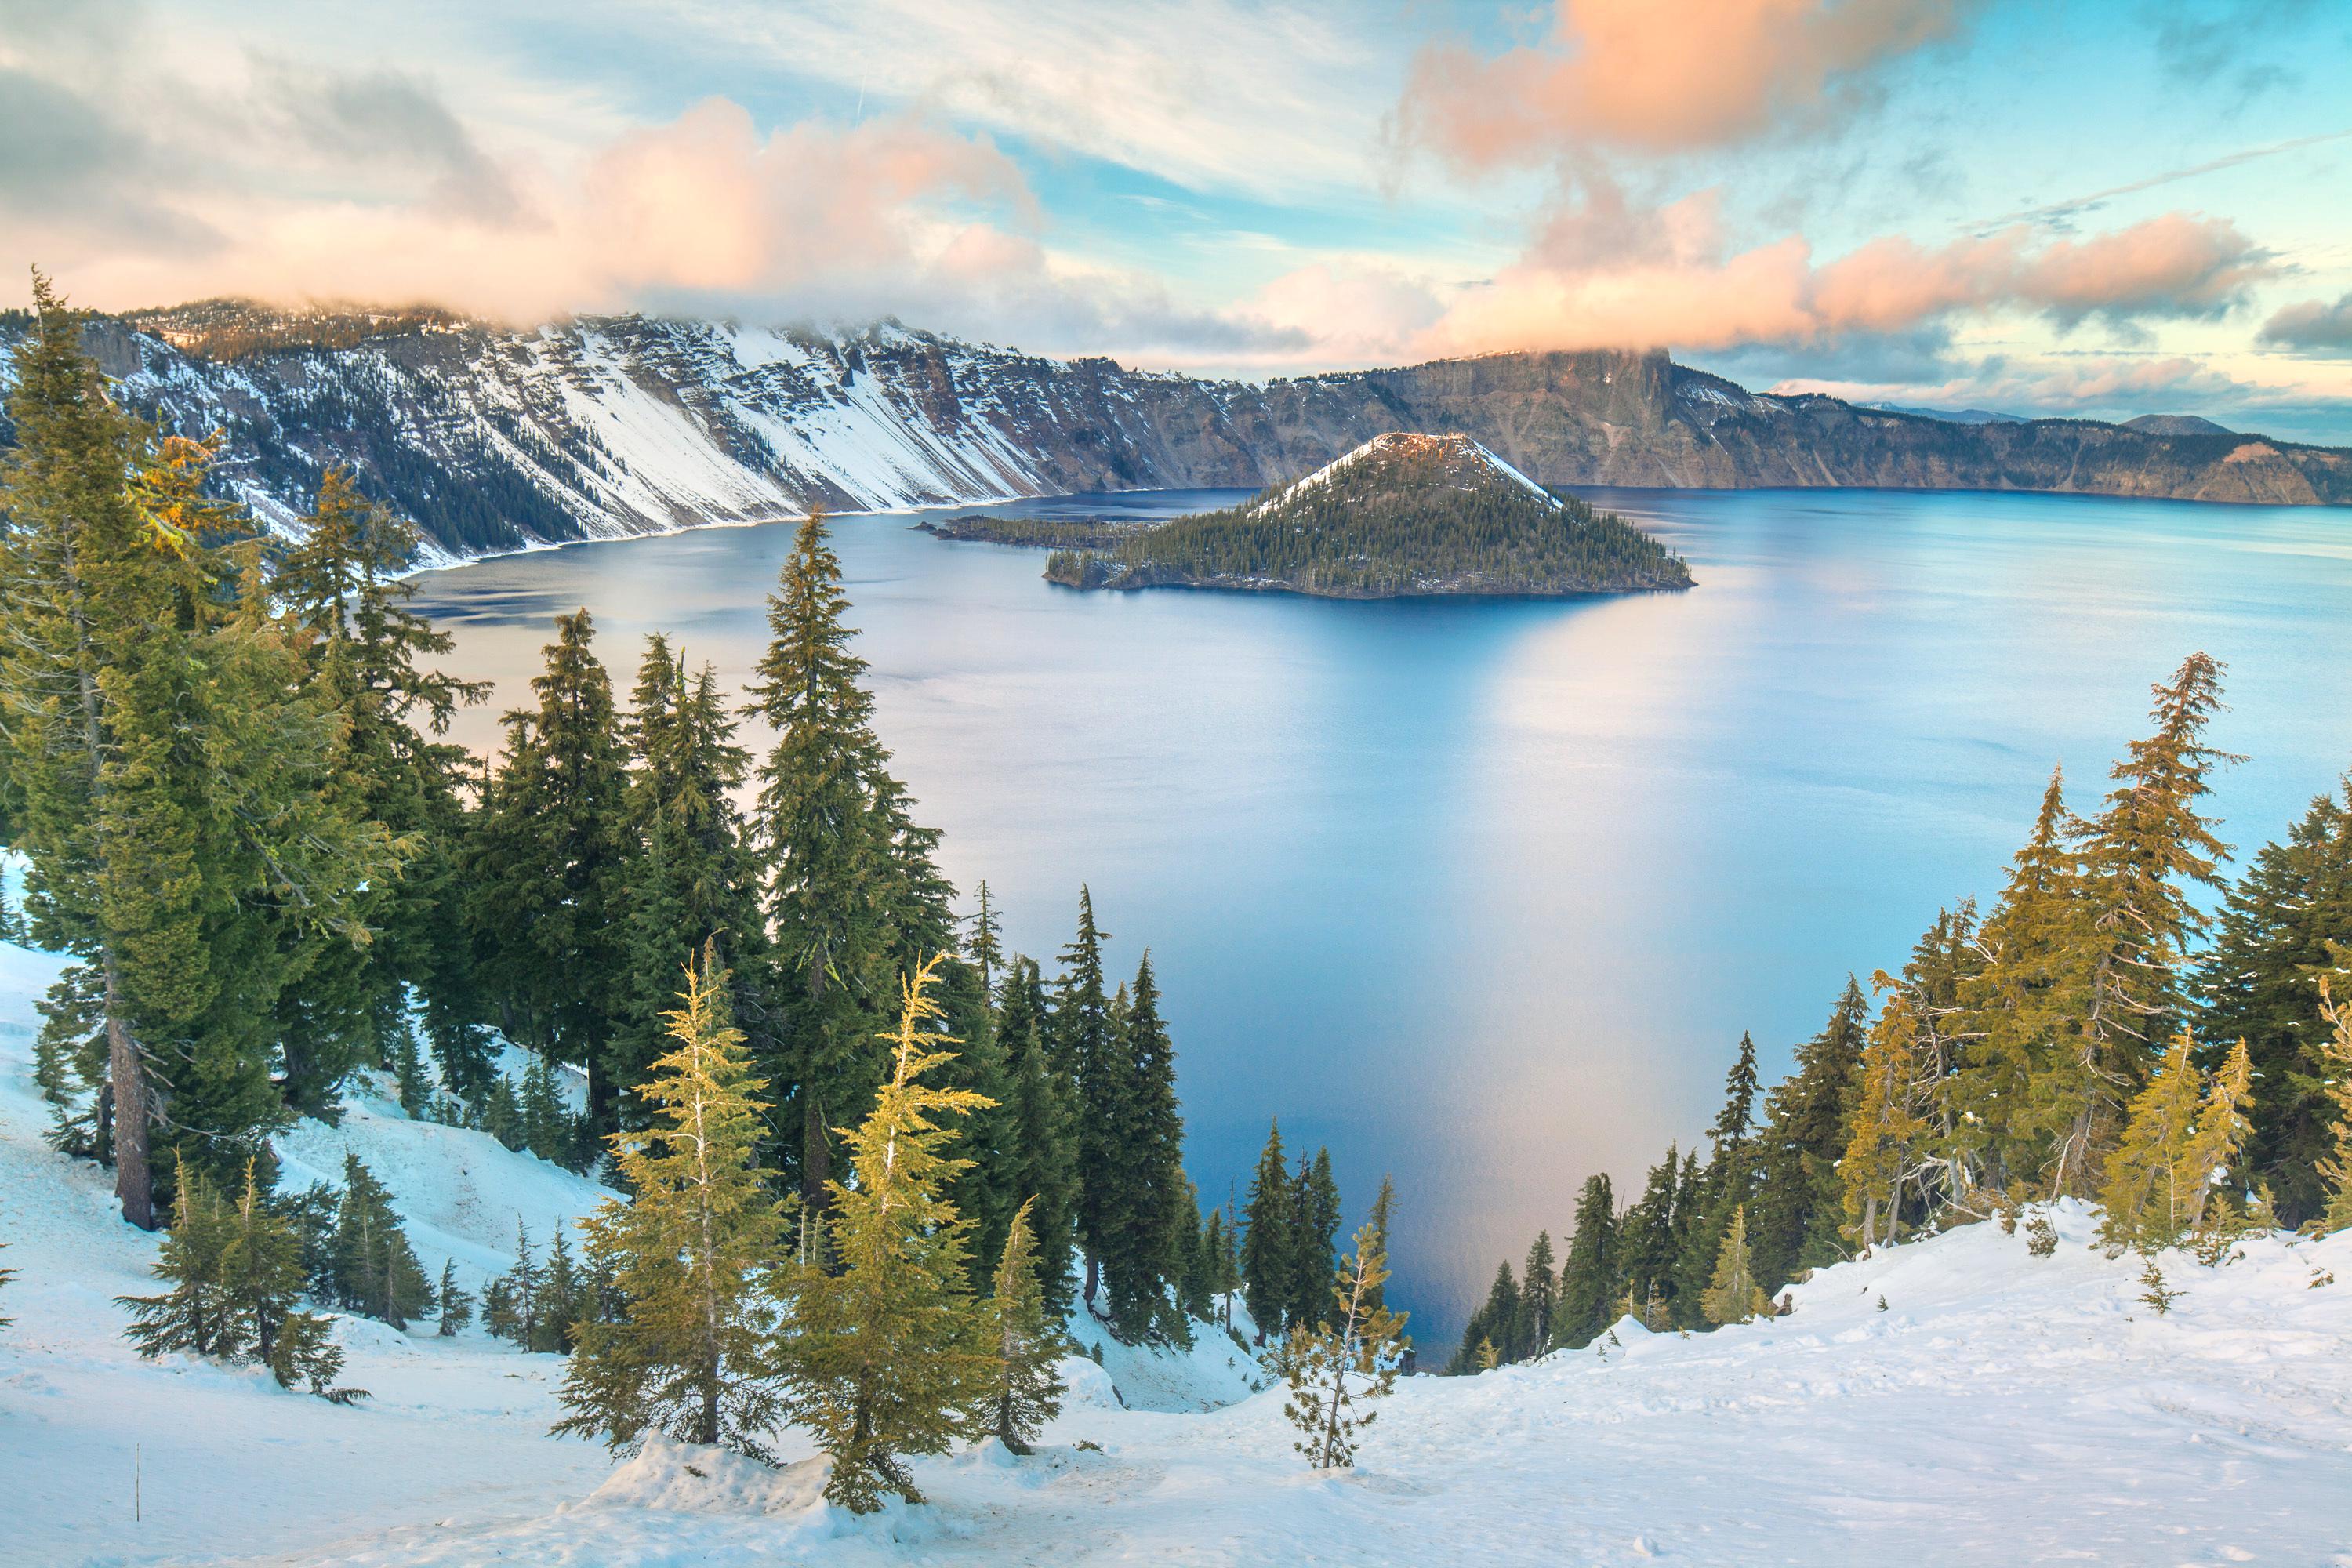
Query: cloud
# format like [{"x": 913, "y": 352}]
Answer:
[
  {"x": 1678, "y": 291},
  {"x": 2313, "y": 326},
  {"x": 1644, "y": 77}
]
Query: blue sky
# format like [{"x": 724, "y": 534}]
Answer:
[{"x": 2109, "y": 206}]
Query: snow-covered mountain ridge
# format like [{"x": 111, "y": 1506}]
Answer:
[
  {"x": 1952, "y": 1401},
  {"x": 497, "y": 438}
]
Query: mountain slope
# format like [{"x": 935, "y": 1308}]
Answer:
[
  {"x": 1401, "y": 515},
  {"x": 497, "y": 439}
]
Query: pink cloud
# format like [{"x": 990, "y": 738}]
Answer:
[
  {"x": 1680, "y": 295},
  {"x": 1659, "y": 77}
]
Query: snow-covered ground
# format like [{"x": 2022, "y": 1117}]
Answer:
[{"x": 1998, "y": 1409}]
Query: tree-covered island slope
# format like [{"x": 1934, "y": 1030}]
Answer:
[{"x": 1402, "y": 516}]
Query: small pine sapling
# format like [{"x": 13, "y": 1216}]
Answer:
[
  {"x": 456, "y": 1305},
  {"x": 692, "y": 1261},
  {"x": 2040, "y": 1235},
  {"x": 1027, "y": 1387},
  {"x": 2155, "y": 1292},
  {"x": 1732, "y": 1296},
  {"x": 1485, "y": 1356},
  {"x": 1341, "y": 1365}
]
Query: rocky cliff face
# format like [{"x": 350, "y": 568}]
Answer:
[{"x": 497, "y": 440}]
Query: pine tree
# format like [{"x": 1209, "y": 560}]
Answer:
[
  {"x": 826, "y": 849},
  {"x": 985, "y": 945},
  {"x": 549, "y": 864},
  {"x": 2155, "y": 1188},
  {"x": 1646, "y": 1238},
  {"x": 695, "y": 881},
  {"x": 1313, "y": 1232},
  {"x": 510, "y": 1305},
  {"x": 2141, "y": 858},
  {"x": 1593, "y": 1277},
  {"x": 164, "y": 768},
  {"x": 1798, "y": 1204},
  {"x": 1144, "y": 1260},
  {"x": 1729, "y": 1178},
  {"x": 1040, "y": 1127},
  {"x": 1495, "y": 1319},
  {"x": 1092, "y": 1056},
  {"x": 1336, "y": 1369},
  {"x": 2335, "y": 1076},
  {"x": 2259, "y": 982},
  {"x": 369, "y": 1265},
  {"x": 1270, "y": 1246},
  {"x": 988, "y": 1191},
  {"x": 544, "y": 1125},
  {"x": 344, "y": 584},
  {"x": 1531, "y": 1335},
  {"x": 1025, "y": 1382},
  {"x": 237, "y": 1275},
  {"x": 1886, "y": 1128},
  {"x": 1205, "y": 1269},
  {"x": 1732, "y": 1296},
  {"x": 456, "y": 1305},
  {"x": 694, "y": 1254},
  {"x": 1382, "y": 1211},
  {"x": 890, "y": 1356},
  {"x": 568, "y": 1301},
  {"x": 193, "y": 1317}
]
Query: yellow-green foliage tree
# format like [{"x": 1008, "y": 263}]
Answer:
[
  {"x": 1342, "y": 1364},
  {"x": 888, "y": 1355},
  {"x": 1886, "y": 1126},
  {"x": 2335, "y": 1054},
  {"x": 2182, "y": 1130},
  {"x": 1734, "y": 1297},
  {"x": 696, "y": 1256}
]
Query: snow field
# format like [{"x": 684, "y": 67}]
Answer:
[{"x": 2000, "y": 1409}]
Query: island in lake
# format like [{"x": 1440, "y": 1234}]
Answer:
[{"x": 1401, "y": 516}]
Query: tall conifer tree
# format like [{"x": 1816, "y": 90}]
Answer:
[{"x": 1593, "y": 1277}]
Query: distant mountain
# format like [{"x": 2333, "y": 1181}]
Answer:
[
  {"x": 2177, "y": 425},
  {"x": 1954, "y": 415},
  {"x": 1402, "y": 515},
  {"x": 496, "y": 439}
]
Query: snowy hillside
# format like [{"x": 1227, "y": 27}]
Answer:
[{"x": 1953, "y": 1402}]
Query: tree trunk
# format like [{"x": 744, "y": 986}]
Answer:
[
  {"x": 134, "y": 1182},
  {"x": 1094, "y": 1277}
]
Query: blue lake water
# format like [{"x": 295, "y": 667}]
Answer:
[{"x": 1482, "y": 894}]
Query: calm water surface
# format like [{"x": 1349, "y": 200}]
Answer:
[{"x": 1482, "y": 894}]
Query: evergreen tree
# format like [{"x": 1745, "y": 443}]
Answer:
[
  {"x": 2031, "y": 989},
  {"x": 1041, "y": 1131},
  {"x": 987, "y": 1191},
  {"x": 370, "y": 1267},
  {"x": 827, "y": 852},
  {"x": 164, "y": 766},
  {"x": 456, "y": 1305},
  {"x": 2334, "y": 1071},
  {"x": 1481, "y": 1346},
  {"x": 2183, "y": 1130},
  {"x": 1092, "y": 1056},
  {"x": 1203, "y": 1276},
  {"x": 1729, "y": 1178},
  {"x": 1798, "y": 1207},
  {"x": 1025, "y": 1382},
  {"x": 890, "y": 1356},
  {"x": 1540, "y": 1283},
  {"x": 694, "y": 1253},
  {"x": 1646, "y": 1238},
  {"x": 1732, "y": 1295},
  {"x": 1383, "y": 1210},
  {"x": 2259, "y": 981},
  {"x": 1315, "y": 1230},
  {"x": 985, "y": 945},
  {"x": 568, "y": 1301},
  {"x": 549, "y": 864},
  {"x": 1593, "y": 1277},
  {"x": 512, "y": 1304},
  {"x": 1886, "y": 1127},
  {"x": 696, "y": 886},
  {"x": 1336, "y": 1369},
  {"x": 344, "y": 585},
  {"x": 544, "y": 1125},
  {"x": 1270, "y": 1248},
  {"x": 1145, "y": 1260},
  {"x": 2140, "y": 858},
  {"x": 235, "y": 1271}
]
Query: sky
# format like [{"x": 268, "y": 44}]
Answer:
[{"x": 2107, "y": 208}]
